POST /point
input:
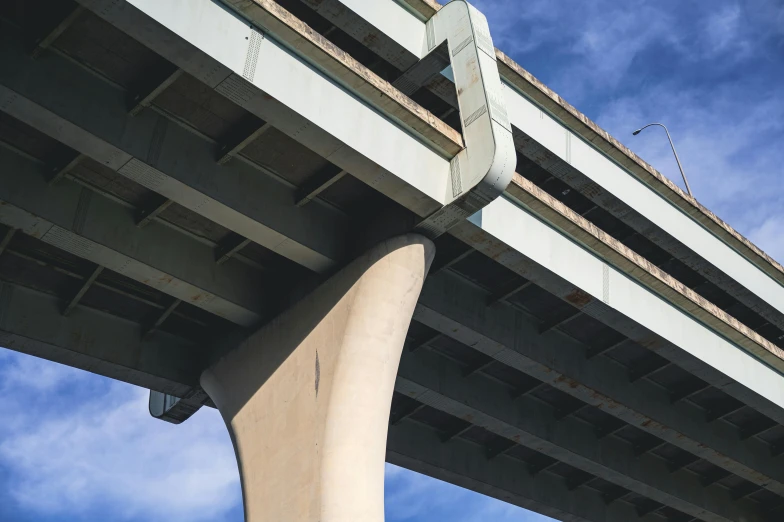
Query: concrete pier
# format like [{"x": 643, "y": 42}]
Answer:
[{"x": 306, "y": 398}]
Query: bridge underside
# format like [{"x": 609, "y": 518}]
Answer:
[{"x": 513, "y": 381}]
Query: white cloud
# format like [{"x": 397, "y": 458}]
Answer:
[
  {"x": 82, "y": 447},
  {"x": 700, "y": 69},
  {"x": 770, "y": 237},
  {"x": 595, "y": 43},
  {"x": 105, "y": 453},
  {"x": 28, "y": 372},
  {"x": 723, "y": 30},
  {"x": 726, "y": 140}
]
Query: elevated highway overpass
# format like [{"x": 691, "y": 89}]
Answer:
[{"x": 195, "y": 185}]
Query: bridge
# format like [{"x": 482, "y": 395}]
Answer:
[{"x": 363, "y": 233}]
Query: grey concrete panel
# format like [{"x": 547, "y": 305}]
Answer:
[
  {"x": 79, "y": 109},
  {"x": 31, "y": 322},
  {"x": 441, "y": 384},
  {"x": 71, "y": 217},
  {"x": 465, "y": 464},
  {"x": 595, "y": 164},
  {"x": 458, "y": 310},
  {"x": 296, "y": 99},
  {"x": 516, "y": 237},
  {"x": 641, "y": 208}
]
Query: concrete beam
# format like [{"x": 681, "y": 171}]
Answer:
[
  {"x": 148, "y": 214},
  {"x": 441, "y": 384},
  {"x": 524, "y": 193},
  {"x": 416, "y": 73},
  {"x": 61, "y": 170},
  {"x": 320, "y": 182},
  {"x": 342, "y": 14},
  {"x": 229, "y": 247},
  {"x": 48, "y": 39},
  {"x": 83, "y": 290},
  {"x": 146, "y": 98},
  {"x": 153, "y": 328},
  {"x": 77, "y": 108},
  {"x": 241, "y": 138},
  {"x": 70, "y": 217},
  {"x": 515, "y": 237},
  {"x": 543, "y": 139},
  {"x": 329, "y": 117},
  {"x": 607, "y": 167},
  {"x": 31, "y": 322},
  {"x": 7, "y": 237},
  {"x": 465, "y": 464},
  {"x": 457, "y": 309}
]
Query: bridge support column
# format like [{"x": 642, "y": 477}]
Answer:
[{"x": 307, "y": 398}]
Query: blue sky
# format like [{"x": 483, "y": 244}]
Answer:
[{"x": 77, "y": 447}]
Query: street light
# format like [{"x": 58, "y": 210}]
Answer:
[{"x": 635, "y": 133}]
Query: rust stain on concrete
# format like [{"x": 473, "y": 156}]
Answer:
[{"x": 578, "y": 298}]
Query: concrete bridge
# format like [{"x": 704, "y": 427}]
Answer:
[{"x": 363, "y": 233}]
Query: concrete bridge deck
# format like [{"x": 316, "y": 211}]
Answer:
[{"x": 593, "y": 344}]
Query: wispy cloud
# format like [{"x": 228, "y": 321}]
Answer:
[
  {"x": 83, "y": 448},
  {"x": 710, "y": 71},
  {"x": 726, "y": 148},
  {"x": 74, "y": 446},
  {"x": 81, "y": 445}
]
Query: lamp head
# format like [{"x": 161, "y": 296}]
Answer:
[{"x": 635, "y": 133}]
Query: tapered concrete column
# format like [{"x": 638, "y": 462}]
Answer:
[{"x": 307, "y": 398}]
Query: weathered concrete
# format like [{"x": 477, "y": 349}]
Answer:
[
  {"x": 440, "y": 383},
  {"x": 500, "y": 331},
  {"x": 71, "y": 217},
  {"x": 396, "y": 37},
  {"x": 519, "y": 240},
  {"x": 466, "y": 464},
  {"x": 307, "y": 398},
  {"x": 31, "y": 322},
  {"x": 632, "y": 263},
  {"x": 77, "y": 108},
  {"x": 210, "y": 43}
]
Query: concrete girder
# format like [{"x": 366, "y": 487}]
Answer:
[
  {"x": 48, "y": 39},
  {"x": 343, "y": 14},
  {"x": 441, "y": 384},
  {"x": 466, "y": 464},
  {"x": 146, "y": 98},
  {"x": 458, "y": 310},
  {"x": 241, "y": 138},
  {"x": 516, "y": 238},
  {"x": 211, "y": 43},
  {"x": 320, "y": 182},
  {"x": 77, "y": 108},
  {"x": 166, "y": 253},
  {"x": 557, "y": 149},
  {"x": 31, "y": 322},
  {"x": 572, "y": 145},
  {"x": 68, "y": 216},
  {"x": 83, "y": 290},
  {"x": 484, "y": 168}
]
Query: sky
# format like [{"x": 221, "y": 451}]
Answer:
[{"x": 75, "y": 447}]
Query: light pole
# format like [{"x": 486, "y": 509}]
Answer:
[{"x": 635, "y": 133}]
